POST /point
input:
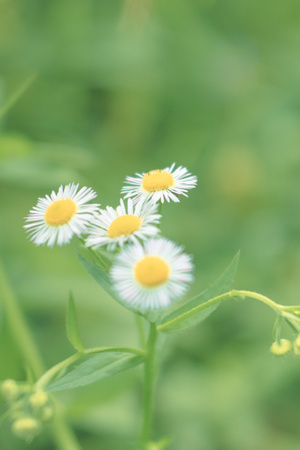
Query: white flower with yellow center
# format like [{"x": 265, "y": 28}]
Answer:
[
  {"x": 113, "y": 227},
  {"x": 151, "y": 275},
  {"x": 160, "y": 185},
  {"x": 56, "y": 218}
]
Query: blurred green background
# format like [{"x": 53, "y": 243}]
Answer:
[{"x": 125, "y": 87}]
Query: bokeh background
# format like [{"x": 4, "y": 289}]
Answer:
[{"x": 125, "y": 87}]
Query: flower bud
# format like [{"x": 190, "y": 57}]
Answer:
[
  {"x": 280, "y": 348},
  {"x": 25, "y": 428},
  {"x": 10, "y": 390},
  {"x": 47, "y": 414},
  {"x": 38, "y": 400},
  {"x": 296, "y": 346},
  {"x": 41, "y": 406}
]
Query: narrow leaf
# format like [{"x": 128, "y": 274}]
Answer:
[
  {"x": 95, "y": 368},
  {"x": 102, "y": 278},
  {"x": 72, "y": 326},
  {"x": 17, "y": 95},
  {"x": 222, "y": 285}
]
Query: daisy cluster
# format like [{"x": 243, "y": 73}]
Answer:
[{"x": 149, "y": 271}]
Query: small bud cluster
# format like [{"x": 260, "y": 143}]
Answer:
[
  {"x": 281, "y": 347},
  {"x": 284, "y": 346},
  {"x": 296, "y": 346},
  {"x": 28, "y": 410}
]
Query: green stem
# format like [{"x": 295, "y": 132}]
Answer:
[
  {"x": 149, "y": 375},
  {"x": 18, "y": 327},
  {"x": 135, "y": 351},
  {"x": 17, "y": 95},
  {"x": 96, "y": 255},
  {"x": 141, "y": 331},
  {"x": 63, "y": 435},
  {"x": 231, "y": 294},
  {"x": 262, "y": 298}
]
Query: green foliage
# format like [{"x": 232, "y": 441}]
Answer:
[
  {"x": 191, "y": 313},
  {"x": 102, "y": 278},
  {"x": 214, "y": 86},
  {"x": 95, "y": 368},
  {"x": 72, "y": 326}
]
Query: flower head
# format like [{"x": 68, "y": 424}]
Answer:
[
  {"x": 160, "y": 185},
  {"x": 113, "y": 227},
  {"x": 151, "y": 275},
  {"x": 56, "y": 218}
]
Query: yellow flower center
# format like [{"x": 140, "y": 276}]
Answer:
[
  {"x": 60, "y": 212},
  {"x": 157, "y": 180},
  {"x": 124, "y": 226},
  {"x": 151, "y": 271}
]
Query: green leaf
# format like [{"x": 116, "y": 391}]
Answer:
[
  {"x": 102, "y": 278},
  {"x": 72, "y": 326},
  {"x": 222, "y": 285},
  {"x": 95, "y": 368}
]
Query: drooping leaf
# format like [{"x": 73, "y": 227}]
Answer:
[
  {"x": 223, "y": 283},
  {"x": 72, "y": 326},
  {"x": 94, "y": 368}
]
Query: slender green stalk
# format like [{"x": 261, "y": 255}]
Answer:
[
  {"x": 149, "y": 375},
  {"x": 18, "y": 327},
  {"x": 262, "y": 298},
  {"x": 115, "y": 348},
  {"x": 141, "y": 331},
  {"x": 17, "y": 95},
  {"x": 220, "y": 298},
  {"x": 96, "y": 255},
  {"x": 294, "y": 309},
  {"x": 63, "y": 435}
]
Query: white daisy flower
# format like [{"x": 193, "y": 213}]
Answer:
[
  {"x": 160, "y": 185},
  {"x": 113, "y": 227},
  {"x": 151, "y": 275},
  {"x": 56, "y": 218}
]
